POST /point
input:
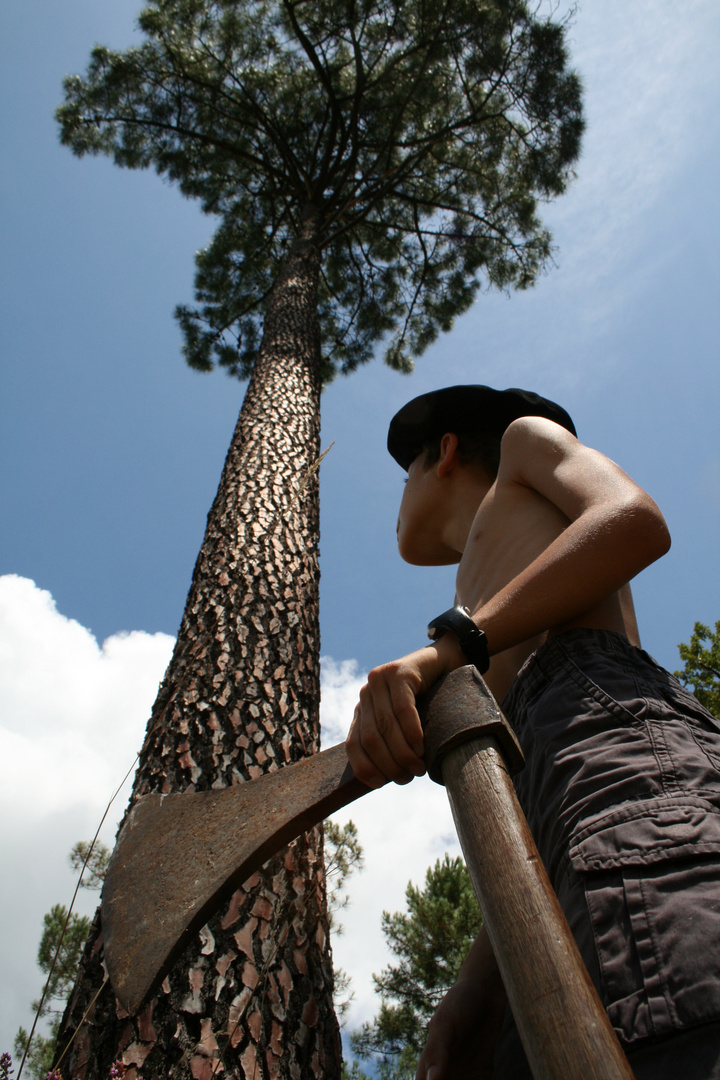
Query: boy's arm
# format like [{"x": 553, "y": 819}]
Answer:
[{"x": 614, "y": 530}]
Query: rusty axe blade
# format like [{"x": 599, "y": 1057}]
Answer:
[{"x": 180, "y": 856}]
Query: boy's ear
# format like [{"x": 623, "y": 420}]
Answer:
[{"x": 449, "y": 457}]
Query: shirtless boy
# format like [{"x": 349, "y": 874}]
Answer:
[{"x": 622, "y": 779}]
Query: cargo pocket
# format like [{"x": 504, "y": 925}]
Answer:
[{"x": 651, "y": 876}]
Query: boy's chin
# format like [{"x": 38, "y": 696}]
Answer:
[{"x": 429, "y": 558}]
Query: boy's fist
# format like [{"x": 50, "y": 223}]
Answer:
[{"x": 385, "y": 741}]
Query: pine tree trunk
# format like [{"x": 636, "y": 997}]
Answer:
[{"x": 252, "y": 997}]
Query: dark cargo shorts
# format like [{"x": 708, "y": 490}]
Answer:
[{"x": 621, "y": 789}]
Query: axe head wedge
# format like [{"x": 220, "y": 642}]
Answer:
[{"x": 180, "y": 856}]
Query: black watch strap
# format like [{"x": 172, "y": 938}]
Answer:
[{"x": 472, "y": 641}]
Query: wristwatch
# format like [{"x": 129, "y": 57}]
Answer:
[{"x": 472, "y": 641}]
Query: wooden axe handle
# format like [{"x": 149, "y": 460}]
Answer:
[{"x": 563, "y": 1026}]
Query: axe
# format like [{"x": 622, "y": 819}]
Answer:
[{"x": 179, "y": 857}]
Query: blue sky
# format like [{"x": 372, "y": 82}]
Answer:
[{"x": 112, "y": 448}]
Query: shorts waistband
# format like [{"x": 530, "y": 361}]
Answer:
[{"x": 575, "y": 646}]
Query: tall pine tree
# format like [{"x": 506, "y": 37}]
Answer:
[{"x": 371, "y": 163}]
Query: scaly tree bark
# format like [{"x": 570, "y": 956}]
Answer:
[
  {"x": 372, "y": 164},
  {"x": 241, "y": 697}
]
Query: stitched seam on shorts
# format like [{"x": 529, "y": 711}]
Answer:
[
  {"x": 634, "y": 856},
  {"x": 669, "y": 1004},
  {"x": 715, "y": 765},
  {"x": 592, "y": 919},
  {"x": 652, "y": 993},
  {"x": 666, "y": 765},
  {"x": 529, "y": 684}
]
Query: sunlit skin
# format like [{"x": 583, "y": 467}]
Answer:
[{"x": 549, "y": 545}]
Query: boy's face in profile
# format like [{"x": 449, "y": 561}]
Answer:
[
  {"x": 413, "y": 507},
  {"x": 422, "y": 518}
]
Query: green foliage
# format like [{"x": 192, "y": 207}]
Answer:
[
  {"x": 431, "y": 941},
  {"x": 349, "y": 1072},
  {"x": 421, "y": 135},
  {"x": 58, "y": 956},
  {"x": 61, "y": 945},
  {"x": 39, "y": 1060},
  {"x": 92, "y": 861},
  {"x": 701, "y": 673},
  {"x": 343, "y": 855}
]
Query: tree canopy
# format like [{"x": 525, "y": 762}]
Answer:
[{"x": 420, "y": 134}]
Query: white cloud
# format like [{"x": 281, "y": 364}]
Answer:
[
  {"x": 72, "y": 716},
  {"x": 70, "y": 708},
  {"x": 403, "y": 831},
  {"x": 341, "y": 682}
]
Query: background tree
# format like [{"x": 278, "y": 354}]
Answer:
[
  {"x": 701, "y": 672},
  {"x": 91, "y": 861},
  {"x": 343, "y": 856},
  {"x": 372, "y": 163},
  {"x": 431, "y": 941},
  {"x": 61, "y": 945}
]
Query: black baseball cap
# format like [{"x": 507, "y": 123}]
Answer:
[{"x": 462, "y": 409}]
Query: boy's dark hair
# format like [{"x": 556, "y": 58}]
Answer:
[
  {"x": 474, "y": 449},
  {"x": 478, "y": 415}
]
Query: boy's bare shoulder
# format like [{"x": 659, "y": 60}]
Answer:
[
  {"x": 553, "y": 544},
  {"x": 532, "y": 444},
  {"x": 547, "y": 458}
]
